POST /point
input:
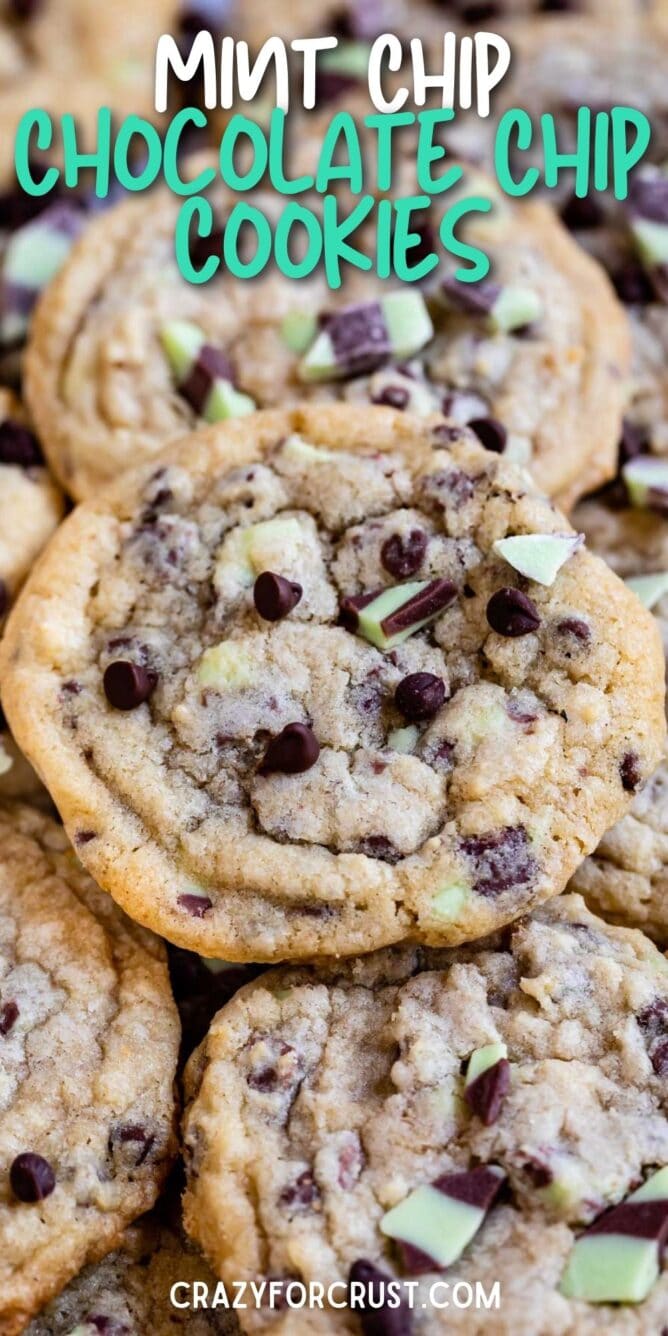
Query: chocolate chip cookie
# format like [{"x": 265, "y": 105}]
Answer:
[
  {"x": 322, "y": 679},
  {"x": 490, "y": 1114},
  {"x": 125, "y": 354},
  {"x": 128, "y": 1292},
  {"x": 86, "y": 1130}
]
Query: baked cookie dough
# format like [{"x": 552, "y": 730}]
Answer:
[
  {"x": 457, "y": 1116},
  {"x": 128, "y": 1292},
  {"x": 292, "y": 695},
  {"x": 114, "y": 373},
  {"x": 627, "y": 877},
  {"x": 86, "y": 1130}
]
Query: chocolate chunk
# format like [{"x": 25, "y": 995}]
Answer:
[
  {"x": 375, "y": 1315},
  {"x": 648, "y": 197},
  {"x": 630, "y": 771},
  {"x": 632, "y": 285},
  {"x": 292, "y": 752},
  {"x": 420, "y": 695},
  {"x": 210, "y": 365},
  {"x": 302, "y": 1193},
  {"x": 127, "y": 685},
  {"x": 477, "y": 1187},
  {"x": 581, "y": 214},
  {"x": 486, "y": 1093},
  {"x": 491, "y": 433},
  {"x": 403, "y": 554},
  {"x": 470, "y": 298},
  {"x": 18, "y": 445},
  {"x": 502, "y": 859},
  {"x": 274, "y": 596},
  {"x": 512, "y": 613},
  {"x": 196, "y": 905},
  {"x": 359, "y": 337},
  {"x": 31, "y": 1177},
  {"x": 9, "y": 1014},
  {"x": 393, "y": 396}
]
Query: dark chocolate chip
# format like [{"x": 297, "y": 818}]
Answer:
[
  {"x": 502, "y": 859},
  {"x": 435, "y": 597},
  {"x": 477, "y": 1187},
  {"x": 630, "y": 771},
  {"x": 420, "y": 695},
  {"x": 376, "y": 1317},
  {"x": 402, "y": 554},
  {"x": 491, "y": 433},
  {"x": 486, "y": 1094},
  {"x": 9, "y": 1014},
  {"x": 274, "y": 596},
  {"x": 18, "y": 445},
  {"x": 31, "y": 1177},
  {"x": 471, "y": 298},
  {"x": 293, "y": 751},
  {"x": 302, "y": 1193},
  {"x": 210, "y": 365},
  {"x": 127, "y": 685},
  {"x": 512, "y": 613},
  {"x": 196, "y": 905},
  {"x": 579, "y": 214}
]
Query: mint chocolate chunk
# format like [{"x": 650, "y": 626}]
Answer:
[
  {"x": 388, "y": 617},
  {"x": 359, "y": 339},
  {"x": 487, "y": 1081},
  {"x": 618, "y": 1257},
  {"x": 204, "y": 373},
  {"x": 439, "y": 1219}
]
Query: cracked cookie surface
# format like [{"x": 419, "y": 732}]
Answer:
[
  {"x": 552, "y": 379},
  {"x": 290, "y": 698},
  {"x": 326, "y": 1097},
  {"x": 86, "y": 1132}
]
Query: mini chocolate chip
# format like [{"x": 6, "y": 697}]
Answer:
[
  {"x": 394, "y": 396},
  {"x": 197, "y": 905},
  {"x": 491, "y": 433},
  {"x": 300, "y": 1194},
  {"x": 293, "y": 751},
  {"x": 420, "y": 695},
  {"x": 18, "y": 445},
  {"x": 274, "y": 596},
  {"x": 127, "y": 685},
  {"x": 9, "y": 1014},
  {"x": 630, "y": 772},
  {"x": 31, "y": 1177},
  {"x": 375, "y": 1315},
  {"x": 402, "y": 554},
  {"x": 573, "y": 626},
  {"x": 511, "y": 613},
  {"x": 632, "y": 284},
  {"x": 84, "y": 836}
]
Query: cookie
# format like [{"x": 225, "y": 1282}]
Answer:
[
  {"x": 292, "y": 695},
  {"x": 120, "y": 343},
  {"x": 464, "y": 1116},
  {"x": 128, "y": 1292},
  {"x": 627, "y": 877},
  {"x": 86, "y": 1131}
]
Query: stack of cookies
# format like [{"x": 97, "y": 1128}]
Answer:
[{"x": 333, "y": 779}]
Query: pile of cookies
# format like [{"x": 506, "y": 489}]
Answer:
[{"x": 333, "y": 777}]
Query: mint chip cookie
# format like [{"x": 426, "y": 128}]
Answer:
[
  {"x": 126, "y": 355},
  {"x": 129, "y": 1292},
  {"x": 86, "y": 1130},
  {"x": 291, "y": 697},
  {"x": 493, "y": 1114}
]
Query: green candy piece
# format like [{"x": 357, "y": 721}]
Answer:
[
  {"x": 651, "y": 239},
  {"x": 449, "y": 902},
  {"x": 298, "y": 330},
  {"x": 617, "y": 1260},
  {"x": 646, "y": 480},
  {"x": 181, "y": 341},
  {"x": 515, "y": 307},
  {"x": 539, "y": 556},
  {"x": 225, "y": 666},
  {"x": 649, "y": 588},
  {"x": 225, "y": 402},
  {"x": 403, "y": 739},
  {"x": 441, "y": 1225},
  {"x": 482, "y": 1059},
  {"x": 302, "y": 452},
  {"x": 408, "y": 322}
]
